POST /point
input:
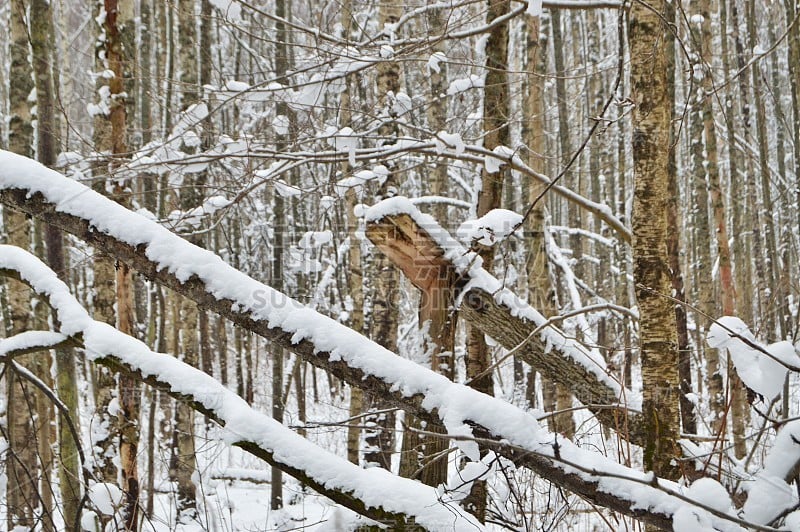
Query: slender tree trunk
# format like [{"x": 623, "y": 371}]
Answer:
[
  {"x": 382, "y": 323},
  {"x": 564, "y": 141},
  {"x": 45, "y": 73},
  {"x": 42, "y": 37},
  {"x": 714, "y": 378},
  {"x": 21, "y": 464},
  {"x": 783, "y": 267},
  {"x": 104, "y": 278},
  {"x": 749, "y": 249},
  {"x": 673, "y": 249},
  {"x": 496, "y": 133},
  {"x": 793, "y": 60},
  {"x": 282, "y": 65},
  {"x": 437, "y": 318},
  {"x": 111, "y": 138},
  {"x": 564, "y": 423},
  {"x": 540, "y": 289},
  {"x": 658, "y": 339},
  {"x": 765, "y": 214},
  {"x": 701, "y": 168},
  {"x": 354, "y": 255}
]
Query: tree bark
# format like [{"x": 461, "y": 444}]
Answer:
[
  {"x": 715, "y": 382},
  {"x": 20, "y": 460},
  {"x": 413, "y": 250},
  {"x": 702, "y": 167},
  {"x": 496, "y": 133},
  {"x": 355, "y": 266},
  {"x": 382, "y": 322},
  {"x": 688, "y": 422},
  {"x": 42, "y": 37},
  {"x": 658, "y": 340}
]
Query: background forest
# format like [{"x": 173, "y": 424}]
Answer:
[{"x": 437, "y": 265}]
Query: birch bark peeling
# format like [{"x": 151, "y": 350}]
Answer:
[{"x": 423, "y": 261}]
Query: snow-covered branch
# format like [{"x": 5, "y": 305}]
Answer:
[
  {"x": 374, "y": 493},
  {"x": 204, "y": 277}
]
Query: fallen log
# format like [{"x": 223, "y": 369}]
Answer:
[
  {"x": 374, "y": 493},
  {"x": 426, "y": 254},
  {"x": 205, "y": 278}
]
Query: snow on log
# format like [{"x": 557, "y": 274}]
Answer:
[
  {"x": 32, "y": 342},
  {"x": 374, "y": 493},
  {"x": 204, "y": 277},
  {"x": 424, "y": 251},
  {"x": 763, "y": 369},
  {"x": 770, "y": 493}
]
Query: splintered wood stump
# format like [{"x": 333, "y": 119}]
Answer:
[
  {"x": 412, "y": 249},
  {"x": 436, "y": 279}
]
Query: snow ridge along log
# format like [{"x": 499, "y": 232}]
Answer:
[
  {"x": 202, "y": 276},
  {"x": 374, "y": 493},
  {"x": 424, "y": 260}
]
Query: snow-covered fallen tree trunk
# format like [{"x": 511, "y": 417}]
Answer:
[
  {"x": 374, "y": 493},
  {"x": 204, "y": 277},
  {"x": 423, "y": 250}
]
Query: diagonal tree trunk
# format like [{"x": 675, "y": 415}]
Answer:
[{"x": 527, "y": 444}]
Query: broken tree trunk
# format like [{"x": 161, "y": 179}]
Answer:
[{"x": 423, "y": 260}]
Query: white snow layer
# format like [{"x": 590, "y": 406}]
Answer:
[
  {"x": 762, "y": 368},
  {"x": 494, "y": 226},
  {"x": 770, "y": 495},
  {"x": 455, "y": 403},
  {"x": 434, "y": 60},
  {"x": 534, "y": 8},
  {"x": 375, "y": 487},
  {"x": 106, "y": 497},
  {"x": 28, "y": 340}
]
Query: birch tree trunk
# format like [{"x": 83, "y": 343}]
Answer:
[
  {"x": 20, "y": 463},
  {"x": 658, "y": 340},
  {"x": 354, "y": 256},
  {"x": 104, "y": 279}
]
